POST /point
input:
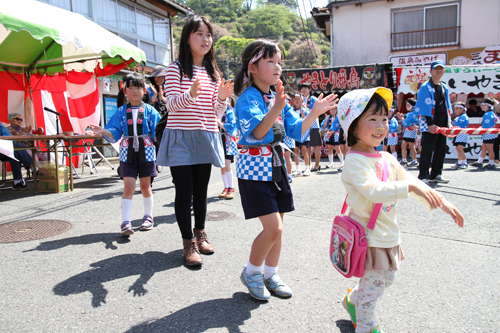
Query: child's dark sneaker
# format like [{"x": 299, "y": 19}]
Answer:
[
  {"x": 126, "y": 229},
  {"x": 488, "y": 167},
  {"x": 477, "y": 164},
  {"x": 349, "y": 307},
  {"x": 147, "y": 223},
  {"x": 20, "y": 187}
]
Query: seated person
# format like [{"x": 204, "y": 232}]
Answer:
[
  {"x": 15, "y": 128},
  {"x": 15, "y": 165}
]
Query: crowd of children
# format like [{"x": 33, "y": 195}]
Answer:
[{"x": 205, "y": 121}]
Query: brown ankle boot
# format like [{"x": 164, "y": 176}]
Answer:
[
  {"x": 191, "y": 254},
  {"x": 204, "y": 245}
]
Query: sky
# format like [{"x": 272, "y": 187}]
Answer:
[{"x": 307, "y": 3}]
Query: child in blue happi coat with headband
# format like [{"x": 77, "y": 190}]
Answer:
[
  {"x": 134, "y": 123},
  {"x": 264, "y": 119}
]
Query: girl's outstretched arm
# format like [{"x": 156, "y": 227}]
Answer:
[
  {"x": 451, "y": 210},
  {"x": 98, "y": 130},
  {"x": 419, "y": 188}
]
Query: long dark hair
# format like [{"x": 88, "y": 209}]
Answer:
[
  {"x": 270, "y": 48},
  {"x": 185, "y": 56},
  {"x": 380, "y": 106}
]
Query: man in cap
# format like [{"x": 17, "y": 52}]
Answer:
[{"x": 434, "y": 107}]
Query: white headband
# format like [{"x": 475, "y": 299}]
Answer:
[
  {"x": 488, "y": 105},
  {"x": 459, "y": 106}
]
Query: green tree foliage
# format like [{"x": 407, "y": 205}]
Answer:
[
  {"x": 232, "y": 47},
  {"x": 238, "y": 22},
  {"x": 289, "y": 3},
  {"x": 268, "y": 21},
  {"x": 219, "y": 11}
]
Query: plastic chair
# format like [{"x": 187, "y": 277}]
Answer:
[{"x": 87, "y": 157}]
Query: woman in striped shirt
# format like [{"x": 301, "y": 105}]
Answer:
[{"x": 191, "y": 141}]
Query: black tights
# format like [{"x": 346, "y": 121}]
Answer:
[{"x": 191, "y": 181}]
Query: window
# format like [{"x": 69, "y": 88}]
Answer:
[
  {"x": 126, "y": 17},
  {"x": 83, "y": 7},
  {"x": 149, "y": 49},
  {"x": 426, "y": 27},
  {"x": 145, "y": 24},
  {"x": 106, "y": 12},
  {"x": 162, "y": 31},
  {"x": 149, "y": 32}
]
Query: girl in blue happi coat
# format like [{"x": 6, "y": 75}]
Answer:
[
  {"x": 227, "y": 126},
  {"x": 392, "y": 136},
  {"x": 134, "y": 123},
  {"x": 264, "y": 118},
  {"x": 460, "y": 119},
  {"x": 410, "y": 125}
]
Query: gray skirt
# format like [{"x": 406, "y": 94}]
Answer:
[{"x": 181, "y": 147}]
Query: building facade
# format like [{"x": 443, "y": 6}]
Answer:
[{"x": 371, "y": 31}]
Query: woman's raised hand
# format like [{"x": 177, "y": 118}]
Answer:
[{"x": 225, "y": 89}]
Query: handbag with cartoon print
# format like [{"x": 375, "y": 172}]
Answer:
[{"x": 348, "y": 243}]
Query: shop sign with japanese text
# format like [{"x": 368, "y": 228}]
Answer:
[
  {"x": 338, "y": 79},
  {"x": 460, "y": 79}
]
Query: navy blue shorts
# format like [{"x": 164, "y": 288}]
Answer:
[
  {"x": 460, "y": 144},
  {"x": 145, "y": 169},
  {"x": 410, "y": 140},
  {"x": 260, "y": 198},
  {"x": 489, "y": 141},
  {"x": 300, "y": 144},
  {"x": 341, "y": 137}
]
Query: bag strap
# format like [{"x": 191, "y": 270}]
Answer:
[{"x": 378, "y": 206}]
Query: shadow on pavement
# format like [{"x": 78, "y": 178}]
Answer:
[
  {"x": 145, "y": 265},
  {"x": 106, "y": 238},
  {"x": 229, "y": 313},
  {"x": 345, "y": 326}
]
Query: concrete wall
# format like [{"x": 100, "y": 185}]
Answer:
[{"x": 362, "y": 34}]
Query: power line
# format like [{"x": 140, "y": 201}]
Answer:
[
  {"x": 305, "y": 32},
  {"x": 310, "y": 29}
]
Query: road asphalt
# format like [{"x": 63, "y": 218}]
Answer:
[{"x": 89, "y": 279}]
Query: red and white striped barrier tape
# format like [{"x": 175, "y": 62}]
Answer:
[{"x": 471, "y": 131}]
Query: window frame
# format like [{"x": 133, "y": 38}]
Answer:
[
  {"x": 130, "y": 35},
  {"x": 424, "y": 9}
]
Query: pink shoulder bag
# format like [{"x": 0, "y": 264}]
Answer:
[{"x": 348, "y": 243}]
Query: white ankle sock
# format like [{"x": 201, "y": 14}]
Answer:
[
  {"x": 269, "y": 271},
  {"x": 297, "y": 166},
  {"x": 148, "y": 205},
  {"x": 480, "y": 160},
  {"x": 330, "y": 158},
  {"x": 395, "y": 155},
  {"x": 229, "y": 179},
  {"x": 341, "y": 158},
  {"x": 307, "y": 168},
  {"x": 251, "y": 269},
  {"x": 403, "y": 160},
  {"x": 126, "y": 209},
  {"x": 224, "y": 180}
]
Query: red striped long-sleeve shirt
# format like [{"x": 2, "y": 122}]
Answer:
[{"x": 186, "y": 112}]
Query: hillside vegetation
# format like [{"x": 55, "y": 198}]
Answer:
[{"x": 238, "y": 22}]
